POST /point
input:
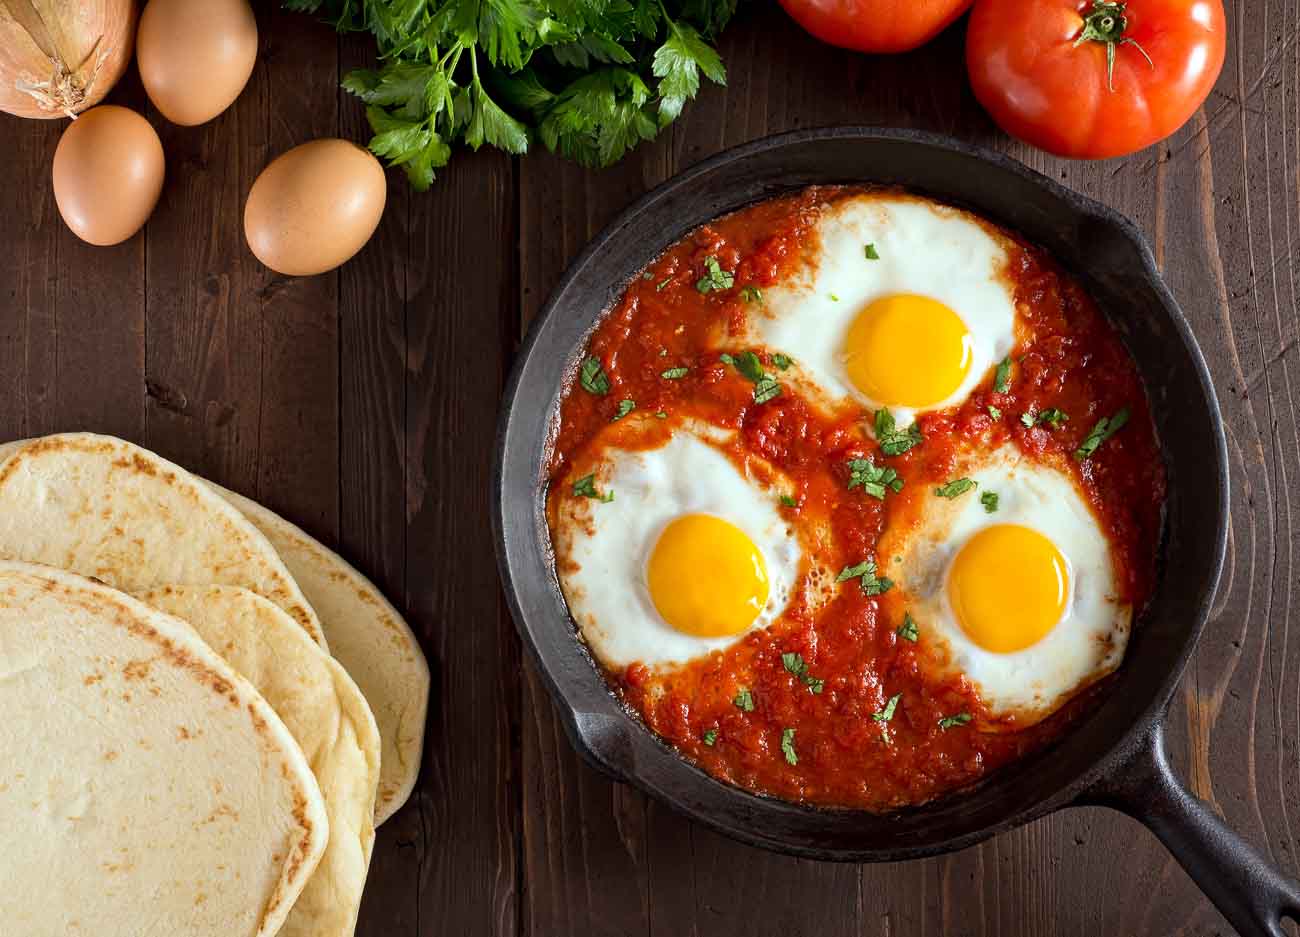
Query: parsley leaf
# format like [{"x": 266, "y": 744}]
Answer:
[
  {"x": 751, "y": 294},
  {"x": 767, "y": 389},
  {"x": 789, "y": 501},
  {"x": 744, "y": 700},
  {"x": 585, "y": 487},
  {"x": 593, "y": 377},
  {"x": 865, "y": 573},
  {"x": 711, "y": 737},
  {"x": 1002, "y": 376},
  {"x": 750, "y": 365},
  {"x": 885, "y": 715},
  {"x": 662, "y": 285},
  {"x": 1027, "y": 419},
  {"x": 674, "y": 374},
  {"x": 1053, "y": 417},
  {"x": 678, "y": 63},
  {"x": 960, "y": 719},
  {"x": 908, "y": 630},
  {"x": 954, "y": 488},
  {"x": 624, "y": 408},
  {"x": 892, "y": 440},
  {"x": 875, "y": 480},
  {"x": 787, "y": 746},
  {"x": 990, "y": 501},
  {"x": 994, "y": 412},
  {"x": 660, "y": 415},
  {"x": 1106, "y": 427},
  {"x": 782, "y": 361},
  {"x": 794, "y": 663},
  {"x": 870, "y": 252},
  {"x": 715, "y": 278}
]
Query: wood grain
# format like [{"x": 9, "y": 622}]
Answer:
[{"x": 362, "y": 405}]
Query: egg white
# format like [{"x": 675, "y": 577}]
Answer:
[
  {"x": 924, "y": 248},
  {"x": 602, "y": 548},
  {"x": 1089, "y": 641}
]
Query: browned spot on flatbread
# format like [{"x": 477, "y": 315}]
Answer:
[{"x": 136, "y": 669}]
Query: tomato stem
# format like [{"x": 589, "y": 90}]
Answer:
[{"x": 1106, "y": 23}]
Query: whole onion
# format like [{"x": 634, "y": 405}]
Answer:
[{"x": 59, "y": 57}]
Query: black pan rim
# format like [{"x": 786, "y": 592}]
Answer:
[{"x": 1123, "y": 746}]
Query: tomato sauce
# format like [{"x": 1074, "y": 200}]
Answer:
[{"x": 1067, "y": 356}]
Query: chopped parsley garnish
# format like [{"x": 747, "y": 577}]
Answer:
[
  {"x": 711, "y": 737},
  {"x": 674, "y": 374},
  {"x": 750, "y": 365},
  {"x": 1051, "y": 416},
  {"x": 954, "y": 488},
  {"x": 1002, "y": 376},
  {"x": 1106, "y": 427},
  {"x": 886, "y": 714},
  {"x": 660, "y": 415},
  {"x": 647, "y": 275},
  {"x": 874, "y": 479},
  {"x": 715, "y": 278},
  {"x": 787, "y": 746},
  {"x": 894, "y": 441},
  {"x": 767, "y": 389},
  {"x": 751, "y": 294},
  {"x": 870, "y": 252},
  {"x": 834, "y": 298},
  {"x": 593, "y": 377},
  {"x": 995, "y": 413},
  {"x": 789, "y": 501},
  {"x": 663, "y": 284},
  {"x": 794, "y": 663},
  {"x": 624, "y": 408},
  {"x": 744, "y": 700},
  {"x": 585, "y": 487},
  {"x": 865, "y": 573},
  {"x": 782, "y": 361},
  {"x": 990, "y": 501},
  {"x": 908, "y": 630},
  {"x": 947, "y": 722}
]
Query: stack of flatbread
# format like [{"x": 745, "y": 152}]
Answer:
[{"x": 204, "y": 713}]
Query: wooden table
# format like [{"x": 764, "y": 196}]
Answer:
[{"x": 362, "y": 405}]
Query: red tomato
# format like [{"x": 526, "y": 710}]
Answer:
[
  {"x": 1040, "y": 69},
  {"x": 875, "y": 25}
]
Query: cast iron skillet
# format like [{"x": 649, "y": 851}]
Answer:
[{"x": 1116, "y": 755}]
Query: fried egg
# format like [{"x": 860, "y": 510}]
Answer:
[
  {"x": 1012, "y": 585},
  {"x": 673, "y": 552},
  {"x": 902, "y": 304}
]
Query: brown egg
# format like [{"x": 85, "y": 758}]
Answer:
[
  {"x": 195, "y": 56},
  {"x": 314, "y": 207},
  {"x": 108, "y": 172}
]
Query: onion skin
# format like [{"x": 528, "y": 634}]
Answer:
[{"x": 59, "y": 57}]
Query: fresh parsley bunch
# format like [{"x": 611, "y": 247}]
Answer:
[{"x": 589, "y": 78}]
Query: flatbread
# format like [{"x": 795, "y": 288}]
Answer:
[
  {"x": 146, "y": 789},
  {"x": 365, "y": 633},
  {"x": 325, "y": 712},
  {"x": 105, "y": 508},
  {"x": 369, "y": 638}
]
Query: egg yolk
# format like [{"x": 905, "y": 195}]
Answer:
[
  {"x": 907, "y": 350},
  {"x": 706, "y": 577},
  {"x": 1008, "y": 586}
]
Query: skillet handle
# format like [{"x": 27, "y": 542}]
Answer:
[{"x": 1243, "y": 884}]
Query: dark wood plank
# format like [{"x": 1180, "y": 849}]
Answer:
[
  {"x": 372, "y": 474},
  {"x": 460, "y": 303}
]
